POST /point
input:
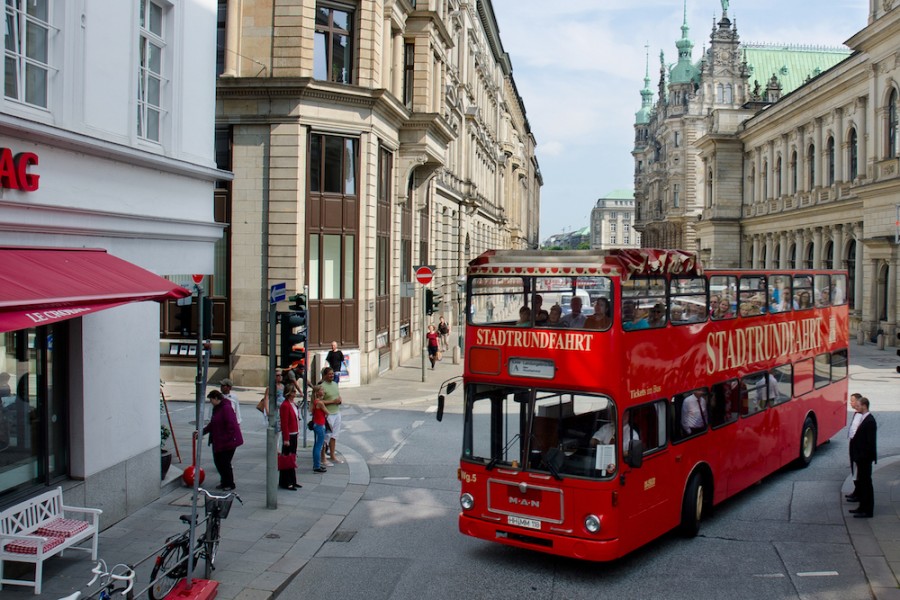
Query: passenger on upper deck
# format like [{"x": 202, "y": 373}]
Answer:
[
  {"x": 600, "y": 319},
  {"x": 524, "y": 317},
  {"x": 722, "y": 310},
  {"x": 657, "y": 317},
  {"x": 540, "y": 315},
  {"x": 575, "y": 318},
  {"x": 631, "y": 320},
  {"x": 555, "y": 317}
]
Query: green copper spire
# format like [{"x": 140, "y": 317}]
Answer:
[
  {"x": 683, "y": 71},
  {"x": 643, "y": 116}
]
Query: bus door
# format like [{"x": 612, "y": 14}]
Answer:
[{"x": 646, "y": 492}]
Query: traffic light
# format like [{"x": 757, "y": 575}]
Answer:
[
  {"x": 183, "y": 320},
  {"x": 429, "y": 301},
  {"x": 293, "y": 338},
  {"x": 435, "y": 303},
  {"x": 898, "y": 351},
  {"x": 299, "y": 306},
  {"x": 207, "y": 318}
]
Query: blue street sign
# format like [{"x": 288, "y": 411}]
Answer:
[{"x": 277, "y": 293}]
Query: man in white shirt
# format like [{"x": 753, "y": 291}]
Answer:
[
  {"x": 226, "y": 386},
  {"x": 693, "y": 412},
  {"x": 851, "y": 431},
  {"x": 574, "y": 318}
]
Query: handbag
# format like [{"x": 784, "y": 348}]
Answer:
[
  {"x": 287, "y": 461},
  {"x": 310, "y": 425}
]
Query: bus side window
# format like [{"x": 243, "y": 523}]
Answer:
[
  {"x": 838, "y": 365},
  {"x": 838, "y": 285},
  {"x": 784, "y": 378},
  {"x": 822, "y": 373},
  {"x": 822, "y": 290},
  {"x": 802, "y": 292},
  {"x": 724, "y": 403},
  {"x": 755, "y": 393},
  {"x": 648, "y": 423},
  {"x": 690, "y": 414},
  {"x": 752, "y": 296},
  {"x": 780, "y": 299}
]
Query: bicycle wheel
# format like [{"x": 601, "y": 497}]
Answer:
[
  {"x": 212, "y": 546},
  {"x": 173, "y": 555}
]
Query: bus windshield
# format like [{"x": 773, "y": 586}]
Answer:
[{"x": 563, "y": 434}]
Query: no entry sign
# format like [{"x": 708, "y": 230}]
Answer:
[{"x": 424, "y": 274}]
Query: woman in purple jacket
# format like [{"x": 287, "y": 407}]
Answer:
[{"x": 224, "y": 436}]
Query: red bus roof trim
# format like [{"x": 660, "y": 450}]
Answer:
[{"x": 624, "y": 262}]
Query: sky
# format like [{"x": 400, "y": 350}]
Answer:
[{"x": 579, "y": 67}]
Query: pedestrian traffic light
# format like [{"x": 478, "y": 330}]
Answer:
[{"x": 293, "y": 338}]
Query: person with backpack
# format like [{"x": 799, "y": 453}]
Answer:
[{"x": 444, "y": 331}]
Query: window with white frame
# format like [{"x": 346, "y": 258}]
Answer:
[
  {"x": 150, "y": 76},
  {"x": 28, "y": 36}
]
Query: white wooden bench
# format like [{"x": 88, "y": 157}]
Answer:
[{"x": 40, "y": 527}]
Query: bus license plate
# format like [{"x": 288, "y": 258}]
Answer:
[{"x": 520, "y": 522}]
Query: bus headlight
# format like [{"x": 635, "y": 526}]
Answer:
[
  {"x": 466, "y": 501},
  {"x": 592, "y": 523}
]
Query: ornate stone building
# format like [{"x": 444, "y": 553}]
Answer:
[
  {"x": 365, "y": 138},
  {"x": 612, "y": 222},
  {"x": 778, "y": 172}
]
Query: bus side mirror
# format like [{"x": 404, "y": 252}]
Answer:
[
  {"x": 450, "y": 387},
  {"x": 440, "y": 409},
  {"x": 635, "y": 456}
]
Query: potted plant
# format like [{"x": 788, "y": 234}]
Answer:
[{"x": 165, "y": 455}]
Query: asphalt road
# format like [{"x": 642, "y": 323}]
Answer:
[{"x": 784, "y": 538}]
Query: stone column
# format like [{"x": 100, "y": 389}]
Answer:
[
  {"x": 387, "y": 58},
  {"x": 817, "y": 248},
  {"x": 860, "y": 271},
  {"x": 798, "y": 245},
  {"x": 770, "y": 250},
  {"x": 232, "y": 29},
  {"x": 839, "y": 174},
  {"x": 819, "y": 155},
  {"x": 838, "y": 236},
  {"x": 892, "y": 296},
  {"x": 785, "y": 164},
  {"x": 754, "y": 260},
  {"x": 785, "y": 248}
]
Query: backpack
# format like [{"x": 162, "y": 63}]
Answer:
[{"x": 443, "y": 329}]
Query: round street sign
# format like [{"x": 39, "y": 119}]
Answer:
[
  {"x": 424, "y": 275},
  {"x": 197, "y": 278}
]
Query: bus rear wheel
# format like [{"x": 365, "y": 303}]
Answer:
[
  {"x": 807, "y": 443},
  {"x": 692, "y": 507}
]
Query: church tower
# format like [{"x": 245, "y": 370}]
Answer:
[{"x": 724, "y": 72}]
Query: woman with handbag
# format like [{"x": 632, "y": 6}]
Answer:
[
  {"x": 290, "y": 429},
  {"x": 318, "y": 424},
  {"x": 224, "y": 436}
]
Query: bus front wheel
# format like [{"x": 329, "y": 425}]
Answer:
[
  {"x": 692, "y": 508},
  {"x": 807, "y": 443}
]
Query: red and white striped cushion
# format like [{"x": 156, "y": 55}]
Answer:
[
  {"x": 62, "y": 528},
  {"x": 31, "y": 546}
]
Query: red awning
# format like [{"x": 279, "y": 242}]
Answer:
[{"x": 39, "y": 286}]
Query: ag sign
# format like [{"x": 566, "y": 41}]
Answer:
[{"x": 424, "y": 273}]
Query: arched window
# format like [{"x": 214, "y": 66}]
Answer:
[
  {"x": 892, "y": 149},
  {"x": 720, "y": 93},
  {"x": 709, "y": 189},
  {"x": 829, "y": 256},
  {"x": 794, "y": 172},
  {"x": 830, "y": 150},
  {"x": 728, "y": 94},
  {"x": 762, "y": 257},
  {"x": 776, "y": 257},
  {"x": 854, "y": 154},
  {"x": 810, "y": 254},
  {"x": 811, "y": 165},
  {"x": 778, "y": 177},
  {"x": 792, "y": 257}
]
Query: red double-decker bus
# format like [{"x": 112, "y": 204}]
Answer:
[{"x": 611, "y": 397}]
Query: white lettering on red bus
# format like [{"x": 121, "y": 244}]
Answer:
[
  {"x": 526, "y": 338},
  {"x": 749, "y": 345}
]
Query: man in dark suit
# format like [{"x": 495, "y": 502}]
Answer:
[
  {"x": 863, "y": 453},
  {"x": 851, "y": 431}
]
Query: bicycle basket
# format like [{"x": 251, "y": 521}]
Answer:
[{"x": 222, "y": 506}]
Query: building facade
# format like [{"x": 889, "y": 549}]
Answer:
[
  {"x": 107, "y": 129},
  {"x": 365, "y": 138},
  {"x": 786, "y": 175},
  {"x": 612, "y": 222}
]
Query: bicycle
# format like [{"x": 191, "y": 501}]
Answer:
[
  {"x": 171, "y": 565},
  {"x": 109, "y": 579}
]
